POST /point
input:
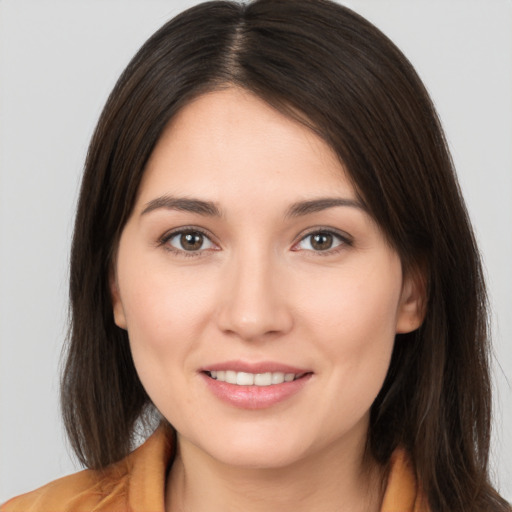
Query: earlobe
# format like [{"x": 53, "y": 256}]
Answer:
[
  {"x": 412, "y": 307},
  {"x": 117, "y": 306}
]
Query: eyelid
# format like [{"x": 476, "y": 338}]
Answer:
[
  {"x": 344, "y": 237},
  {"x": 168, "y": 235}
]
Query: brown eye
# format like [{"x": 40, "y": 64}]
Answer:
[
  {"x": 190, "y": 241},
  {"x": 321, "y": 241}
]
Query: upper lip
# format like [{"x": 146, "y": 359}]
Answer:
[{"x": 256, "y": 367}]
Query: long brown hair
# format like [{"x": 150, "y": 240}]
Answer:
[{"x": 331, "y": 69}]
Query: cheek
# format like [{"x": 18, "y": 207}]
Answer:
[
  {"x": 162, "y": 302},
  {"x": 163, "y": 325},
  {"x": 355, "y": 316},
  {"x": 165, "y": 312},
  {"x": 358, "y": 303}
]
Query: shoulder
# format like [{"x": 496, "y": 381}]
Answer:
[
  {"x": 83, "y": 491},
  {"x": 135, "y": 483},
  {"x": 403, "y": 492}
]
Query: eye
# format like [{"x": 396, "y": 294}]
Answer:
[
  {"x": 321, "y": 241},
  {"x": 188, "y": 241}
]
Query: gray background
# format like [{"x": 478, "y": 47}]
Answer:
[{"x": 58, "y": 61}]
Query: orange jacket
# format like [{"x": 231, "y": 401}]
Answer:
[{"x": 137, "y": 484}]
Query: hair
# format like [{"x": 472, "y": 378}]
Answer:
[{"x": 329, "y": 68}]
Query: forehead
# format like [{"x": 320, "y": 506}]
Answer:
[{"x": 231, "y": 140}]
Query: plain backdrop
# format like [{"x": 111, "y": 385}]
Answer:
[{"x": 58, "y": 61}]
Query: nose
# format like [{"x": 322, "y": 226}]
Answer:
[{"x": 253, "y": 301}]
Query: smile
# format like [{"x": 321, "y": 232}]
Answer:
[
  {"x": 258, "y": 389},
  {"x": 253, "y": 379}
]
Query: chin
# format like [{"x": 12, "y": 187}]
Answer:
[
  {"x": 258, "y": 457},
  {"x": 251, "y": 450}
]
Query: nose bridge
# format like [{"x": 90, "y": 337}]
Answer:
[{"x": 253, "y": 304}]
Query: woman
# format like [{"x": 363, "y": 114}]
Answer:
[{"x": 271, "y": 250}]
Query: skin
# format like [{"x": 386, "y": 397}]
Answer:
[{"x": 258, "y": 290}]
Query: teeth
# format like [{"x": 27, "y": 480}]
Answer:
[
  {"x": 252, "y": 379},
  {"x": 245, "y": 379},
  {"x": 263, "y": 379},
  {"x": 230, "y": 377}
]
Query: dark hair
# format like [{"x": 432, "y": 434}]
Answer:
[{"x": 327, "y": 67}]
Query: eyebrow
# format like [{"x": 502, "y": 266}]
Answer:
[
  {"x": 302, "y": 208},
  {"x": 211, "y": 209},
  {"x": 184, "y": 204}
]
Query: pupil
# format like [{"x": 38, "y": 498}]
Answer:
[
  {"x": 191, "y": 241},
  {"x": 322, "y": 241}
]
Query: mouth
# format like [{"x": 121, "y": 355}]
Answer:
[
  {"x": 253, "y": 379},
  {"x": 253, "y": 386}
]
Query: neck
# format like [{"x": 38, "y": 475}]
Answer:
[{"x": 330, "y": 481}]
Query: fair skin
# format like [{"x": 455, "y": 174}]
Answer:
[{"x": 262, "y": 280}]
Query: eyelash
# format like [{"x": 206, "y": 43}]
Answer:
[
  {"x": 164, "y": 241},
  {"x": 343, "y": 238}
]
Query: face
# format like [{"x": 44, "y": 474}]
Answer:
[{"x": 260, "y": 298}]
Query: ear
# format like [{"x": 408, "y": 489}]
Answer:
[
  {"x": 117, "y": 305},
  {"x": 412, "y": 306}
]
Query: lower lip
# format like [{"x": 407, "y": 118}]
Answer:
[{"x": 255, "y": 397}]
